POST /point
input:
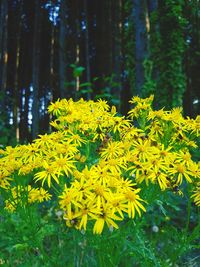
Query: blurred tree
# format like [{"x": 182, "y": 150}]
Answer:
[
  {"x": 128, "y": 54},
  {"x": 140, "y": 24},
  {"x": 3, "y": 50},
  {"x": 192, "y": 58},
  {"x": 169, "y": 59},
  {"x": 117, "y": 53},
  {"x": 62, "y": 48},
  {"x": 17, "y": 89},
  {"x": 36, "y": 69},
  {"x": 87, "y": 47}
]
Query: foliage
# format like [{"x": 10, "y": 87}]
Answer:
[
  {"x": 99, "y": 172},
  {"x": 149, "y": 86},
  {"x": 167, "y": 48},
  {"x": 109, "y": 85}
]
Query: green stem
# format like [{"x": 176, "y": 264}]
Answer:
[
  {"x": 55, "y": 189},
  {"x": 88, "y": 151},
  {"x": 188, "y": 216}
]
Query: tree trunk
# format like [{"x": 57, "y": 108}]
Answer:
[
  {"x": 87, "y": 47},
  {"x": 35, "y": 77},
  {"x": 51, "y": 64},
  {"x": 103, "y": 44},
  {"x": 152, "y": 5},
  {"x": 62, "y": 48},
  {"x": 3, "y": 51},
  {"x": 16, "y": 81},
  {"x": 139, "y": 15},
  {"x": 116, "y": 90}
]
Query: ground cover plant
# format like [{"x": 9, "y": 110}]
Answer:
[{"x": 103, "y": 189}]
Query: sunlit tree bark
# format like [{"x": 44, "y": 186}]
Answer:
[{"x": 16, "y": 93}]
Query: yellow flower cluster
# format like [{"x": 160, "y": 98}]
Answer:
[
  {"x": 102, "y": 195},
  {"x": 22, "y": 195},
  {"x": 100, "y": 160}
]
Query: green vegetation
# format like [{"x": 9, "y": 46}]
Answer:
[{"x": 100, "y": 191}]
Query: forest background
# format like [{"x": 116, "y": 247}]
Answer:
[{"x": 112, "y": 49}]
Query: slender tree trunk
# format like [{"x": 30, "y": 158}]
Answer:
[
  {"x": 16, "y": 79},
  {"x": 117, "y": 51},
  {"x": 139, "y": 15},
  {"x": 104, "y": 35},
  {"x": 192, "y": 59},
  {"x": 62, "y": 48},
  {"x": 3, "y": 50},
  {"x": 52, "y": 71},
  {"x": 128, "y": 59},
  {"x": 1, "y": 33},
  {"x": 77, "y": 23},
  {"x": 35, "y": 77},
  {"x": 87, "y": 47},
  {"x": 152, "y": 5}
]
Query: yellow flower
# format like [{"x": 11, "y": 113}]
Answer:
[
  {"x": 107, "y": 216},
  {"x": 117, "y": 164},
  {"x": 63, "y": 164},
  {"x": 175, "y": 115},
  {"x": 48, "y": 173},
  {"x": 155, "y": 164},
  {"x": 159, "y": 114},
  {"x": 194, "y": 169},
  {"x": 196, "y": 195},
  {"x": 142, "y": 148},
  {"x": 194, "y": 125},
  {"x": 4, "y": 180},
  {"x": 103, "y": 104},
  {"x": 160, "y": 177},
  {"x": 87, "y": 211},
  {"x": 133, "y": 200},
  {"x": 142, "y": 105},
  {"x": 67, "y": 197},
  {"x": 30, "y": 153},
  {"x": 75, "y": 138},
  {"x": 138, "y": 100},
  {"x": 113, "y": 150},
  {"x": 118, "y": 203},
  {"x": 22, "y": 196},
  {"x": 120, "y": 124},
  {"x": 155, "y": 130},
  {"x": 100, "y": 193},
  {"x": 55, "y": 108},
  {"x": 38, "y": 194},
  {"x": 180, "y": 170},
  {"x": 184, "y": 157},
  {"x": 10, "y": 206},
  {"x": 42, "y": 141}
]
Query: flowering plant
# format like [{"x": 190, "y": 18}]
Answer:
[{"x": 96, "y": 164}]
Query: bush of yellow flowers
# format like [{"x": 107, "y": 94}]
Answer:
[{"x": 96, "y": 163}]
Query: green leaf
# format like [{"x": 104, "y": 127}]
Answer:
[
  {"x": 85, "y": 84},
  {"x": 78, "y": 71}
]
